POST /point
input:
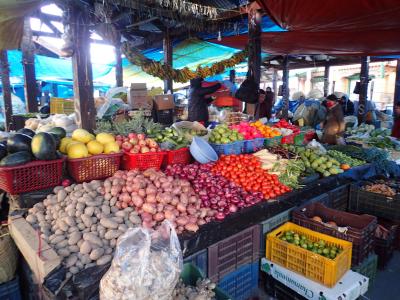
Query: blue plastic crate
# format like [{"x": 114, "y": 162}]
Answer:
[
  {"x": 200, "y": 260},
  {"x": 227, "y": 149},
  {"x": 251, "y": 146},
  {"x": 241, "y": 283},
  {"x": 10, "y": 290}
]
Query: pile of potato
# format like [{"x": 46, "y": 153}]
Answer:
[
  {"x": 204, "y": 290},
  {"x": 81, "y": 225}
]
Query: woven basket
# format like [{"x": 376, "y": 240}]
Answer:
[{"x": 8, "y": 255}]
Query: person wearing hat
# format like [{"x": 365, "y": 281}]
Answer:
[{"x": 334, "y": 125}]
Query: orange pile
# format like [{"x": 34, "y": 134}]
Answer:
[{"x": 266, "y": 131}]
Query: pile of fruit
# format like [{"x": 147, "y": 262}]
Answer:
[
  {"x": 137, "y": 143},
  {"x": 84, "y": 144},
  {"x": 382, "y": 189},
  {"x": 223, "y": 135},
  {"x": 345, "y": 159},
  {"x": 283, "y": 124},
  {"x": 246, "y": 171},
  {"x": 266, "y": 131},
  {"x": 170, "y": 139},
  {"x": 302, "y": 241},
  {"x": 248, "y": 132}
]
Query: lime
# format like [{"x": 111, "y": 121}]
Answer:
[
  {"x": 319, "y": 251},
  {"x": 325, "y": 251},
  {"x": 316, "y": 245},
  {"x": 283, "y": 238},
  {"x": 303, "y": 237},
  {"x": 297, "y": 242},
  {"x": 332, "y": 255},
  {"x": 304, "y": 245}
]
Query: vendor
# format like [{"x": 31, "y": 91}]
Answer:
[
  {"x": 347, "y": 106},
  {"x": 334, "y": 125},
  {"x": 396, "y": 124},
  {"x": 266, "y": 102},
  {"x": 198, "y": 103}
]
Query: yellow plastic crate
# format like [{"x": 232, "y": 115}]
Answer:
[
  {"x": 61, "y": 106},
  {"x": 313, "y": 266}
]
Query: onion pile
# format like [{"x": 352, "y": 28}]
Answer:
[
  {"x": 215, "y": 191},
  {"x": 156, "y": 197}
]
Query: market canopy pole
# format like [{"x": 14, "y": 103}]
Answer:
[
  {"x": 82, "y": 68},
  {"x": 275, "y": 83},
  {"x": 28, "y": 62},
  {"x": 167, "y": 48},
  {"x": 285, "y": 87},
  {"x": 397, "y": 85},
  {"x": 5, "y": 81},
  {"x": 119, "y": 77},
  {"x": 326, "y": 79},
  {"x": 363, "y": 89}
]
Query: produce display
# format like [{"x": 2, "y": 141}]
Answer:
[
  {"x": 214, "y": 190},
  {"x": 204, "y": 290},
  {"x": 84, "y": 144},
  {"x": 372, "y": 154},
  {"x": 223, "y": 135},
  {"x": 65, "y": 122},
  {"x": 266, "y": 131},
  {"x": 137, "y": 143},
  {"x": 345, "y": 159},
  {"x": 248, "y": 132},
  {"x": 286, "y": 128},
  {"x": 302, "y": 241},
  {"x": 246, "y": 171},
  {"x": 360, "y": 130},
  {"x": 171, "y": 139},
  {"x": 81, "y": 224},
  {"x": 382, "y": 189},
  {"x": 156, "y": 196}
]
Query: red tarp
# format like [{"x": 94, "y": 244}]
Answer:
[{"x": 334, "y": 15}]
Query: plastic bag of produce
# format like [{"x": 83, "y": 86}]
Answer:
[
  {"x": 146, "y": 265},
  {"x": 114, "y": 101},
  {"x": 314, "y": 145},
  {"x": 189, "y": 129}
]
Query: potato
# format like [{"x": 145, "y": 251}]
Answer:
[
  {"x": 108, "y": 250},
  {"x": 118, "y": 219},
  {"x": 85, "y": 259},
  {"x": 87, "y": 220},
  {"x": 85, "y": 248},
  {"x": 74, "y": 270},
  {"x": 93, "y": 203},
  {"x": 103, "y": 260},
  {"x": 63, "y": 252},
  {"x": 81, "y": 226},
  {"x": 73, "y": 248},
  {"x": 109, "y": 223},
  {"x": 80, "y": 206},
  {"x": 61, "y": 244},
  {"x": 113, "y": 243},
  {"x": 79, "y": 265},
  {"x": 96, "y": 253},
  {"x": 57, "y": 239},
  {"x": 89, "y": 211},
  {"x": 93, "y": 228},
  {"x": 73, "y": 229},
  {"x": 61, "y": 195},
  {"x": 80, "y": 242},
  {"x": 93, "y": 239},
  {"x": 112, "y": 234},
  {"x": 122, "y": 227},
  {"x": 31, "y": 219},
  {"x": 102, "y": 233},
  {"x": 62, "y": 225},
  {"x": 71, "y": 261},
  {"x": 105, "y": 209},
  {"x": 74, "y": 238},
  {"x": 135, "y": 219},
  {"x": 90, "y": 265}
]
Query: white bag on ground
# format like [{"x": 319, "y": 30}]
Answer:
[{"x": 146, "y": 265}]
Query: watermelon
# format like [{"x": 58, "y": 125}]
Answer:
[
  {"x": 19, "y": 142},
  {"x": 59, "y": 131},
  {"x": 44, "y": 146},
  {"x": 15, "y": 159},
  {"x": 26, "y": 131}
]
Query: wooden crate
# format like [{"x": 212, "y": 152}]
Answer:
[{"x": 42, "y": 259}]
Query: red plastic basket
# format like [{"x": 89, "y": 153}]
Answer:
[
  {"x": 142, "y": 161},
  {"x": 180, "y": 156},
  {"x": 95, "y": 167},
  {"x": 33, "y": 176}
]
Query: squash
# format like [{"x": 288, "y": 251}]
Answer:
[
  {"x": 19, "y": 142},
  {"x": 26, "y": 131},
  {"x": 59, "y": 131},
  {"x": 15, "y": 159},
  {"x": 44, "y": 146}
]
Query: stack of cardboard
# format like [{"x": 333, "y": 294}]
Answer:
[
  {"x": 164, "y": 102},
  {"x": 138, "y": 97}
]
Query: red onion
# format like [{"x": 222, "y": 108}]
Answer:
[{"x": 220, "y": 216}]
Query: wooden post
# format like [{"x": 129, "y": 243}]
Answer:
[
  {"x": 82, "y": 69},
  {"x": 326, "y": 79},
  {"x": 6, "y": 87},
  {"x": 28, "y": 62},
  {"x": 119, "y": 76},
  {"x": 285, "y": 87},
  {"x": 232, "y": 76},
  {"x": 363, "y": 89},
  {"x": 275, "y": 84},
  {"x": 397, "y": 85},
  {"x": 168, "y": 60}
]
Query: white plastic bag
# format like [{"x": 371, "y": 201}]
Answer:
[
  {"x": 112, "y": 104},
  {"x": 314, "y": 145},
  {"x": 146, "y": 265}
]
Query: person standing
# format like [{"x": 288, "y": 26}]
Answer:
[
  {"x": 396, "y": 124},
  {"x": 198, "y": 103},
  {"x": 334, "y": 125},
  {"x": 266, "y": 102},
  {"x": 347, "y": 106}
]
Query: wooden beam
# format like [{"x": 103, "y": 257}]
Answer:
[
  {"x": 168, "y": 60},
  {"x": 46, "y": 20},
  {"x": 119, "y": 76},
  {"x": 28, "y": 62},
  {"x": 326, "y": 79},
  {"x": 397, "y": 85},
  {"x": 285, "y": 87},
  {"x": 362, "y": 101},
  {"x": 232, "y": 76},
  {"x": 56, "y": 36},
  {"x": 160, "y": 25},
  {"x": 6, "y": 87},
  {"x": 82, "y": 70},
  {"x": 39, "y": 14},
  {"x": 275, "y": 83},
  {"x": 137, "y": 24}
]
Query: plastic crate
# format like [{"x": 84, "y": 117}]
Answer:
[
  {"x": 313, "y": 266},
  {"x": 374, "y": 204},
  {"x": 251, "y": 146},
  {"x": 227, "y": 149},
  {"x": 280, "y": 291},
  {"x": 384, "y": 248},
  {"x": 323, "y": 199},
  {"x": 290, "y": 139},
  {"x": 62, "y": 106},
  {"x": 339, "y": 198},
  {"x": 199, "y": 260},
  {"x": 94, "y": 167},
  {"x": 270, "y": 224},
  {"x": 165, "y": 117},
  {"x": 10, "y": 290},
  {"x": 180, "y": 156},
  {"x": 231, "y": 253},
  {"x": 360, "y": 229},
  {"x": 32, "y": 176},
  {"x": 142, "y": 161},
  {"x": 368, "y": 268},
  {"x": 272, "y": 142},
  {"x": 241, "y": 283}
]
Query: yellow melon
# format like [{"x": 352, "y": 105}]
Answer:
[
  {"x": 105, "y": 138},
  {"x": 64, "y": 143},
  {"x": 77, "y": 150},
  {"x": 94, "y": 147},
  {"x": 83, "y": 136},
  {"x": 111, "y": 148}
]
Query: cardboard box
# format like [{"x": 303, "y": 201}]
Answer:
[
  {"x": 141, "y": 102},
  {"x": 138, "y": 86},
  {"x": 139, "y": 93},
  {"x": 163, "y": 102}
]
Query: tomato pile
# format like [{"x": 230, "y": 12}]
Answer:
[
  {"x": 285, "y": 124},
  {"x": 245, "y": 170}
]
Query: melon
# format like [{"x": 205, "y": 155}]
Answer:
[
  {"x": 77, "y": 150},
  {"x": 111, "y": 148},
  {"x": 83, "y": 136},
  {"x": 64, "y": 143},
  {"x": 105, "y": 138},
  {"x": 44, "y": 146},
  {"x": 94, "y": 147}
]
